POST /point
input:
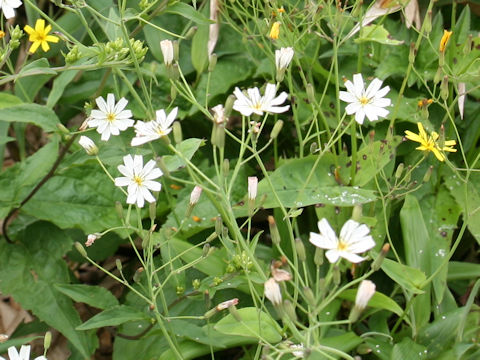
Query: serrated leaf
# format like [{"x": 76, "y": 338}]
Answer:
[
  {"x": 112, "y": 317},
  {"x": 255, "y": 323},
  {"x": 95, "y": 296}
]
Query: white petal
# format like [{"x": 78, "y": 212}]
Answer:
[
  {"x": 8, "y": 12},
  {"x": 370, "y": 112},
  {"x": 351, "y": 257},
  {"x": 122, "y": 181},
  {"x": 242, "y": 108},
  {"x": 358, "y": 84},
  {"x": 147, "y": 195},
  {"x": 361, "y": 245},
  {"x": 347, "y": 97},
  {"x": 121, "y": 104},
  {"x": 171, "y": 117},
  {"x": 140, "y": 199},
  {"x": 137, "y": 164},
  {"x": 270, "y": 91},
  {"x": 152, "y": 185},
  {"x": 102, "y": 105},
  {"x": 347, "y": 230},
  {"x": 353, "y": 108},
  {"x": 351, "y": 89},
  {"x": 321, "y": 241},
  {"x": 280, "y": 99},
  {"x": 382, "y": 92},
  {"x": 25, "y": 352},
  {"x": 360, "y": 116},
  {"x": 277, "y": 109},
  {"x": 332, "y": 255},
  {"x": 105, "y": 134},
  {"x": 373, "y": 88},
  {"x": 128, "y": 161},
  {"x": 154, "y": 174},
  {"x": 111, "y": 103},
  {"x": 97, "y": 114},
  {"x": 123, "y": 115},
  {"x": 327, "y": 231},
  {"x": 383, "y": 102}
]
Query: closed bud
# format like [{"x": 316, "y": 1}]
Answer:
[
  {"x": 364, "y": 293},
  {"x": 252, "y": 194},
  {"x": 176, "y": 50},
  {"x": 191, "y": 32},
  {"x": 313, "y": 148},
  {"x": 428, "y": 174},
  {"x": 357, "y": 212},
  {"x": 300, "y": 249},
  {"x": 444, "y": 88},
  {"x": 438, "y": 75},
  {"x": 152, "y": 210},
  {"x": 310, "y": 297},
  {"x": 161, "y": 165},
  {"x": 310, "y": 93},
  {"x": 47, "y": 340},
  {"x": 88, "y": 145},
  {"x": 289, "y": 309},
  {"x": 138, "y": 274},
  {"x": 212, "y": 62},
  {"x": 177, "y": 132},
  {"x": 167, "y": 50},
  {"x": 118, "y": 264},
  {"x": 211, "y": 237},
  {"x": 428, "y": 22},
  {"x": 399, "y": 171},
  {"x": 229, "y": 105},
  {"x": 219, "y": 226},
  {"x": 276, "y": 129},
  {"x": 206, "y": 250},
  {"x": 274, "y": 233},
  {"x": 173, "y": 93},
  {"x": 225, "y": 167},
  {"x": 318, "y": 258},
  {"x": 408, "y": 175},
  {"x": 119, "y": 209},
  {"x": 337, "y": 276},
  {"x": 377, "y": 264},
  {"x": 234, "y": 312},
  {"x": 412, "y": 53},
  {"x": 81, "y": 249}
]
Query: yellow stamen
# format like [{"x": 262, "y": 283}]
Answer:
[
  {"x": 138, "y": 180},
  {"x": 364, "y": 100},
  {"x": 342, "y": 246},
  {"x": 111, "y": 117}
]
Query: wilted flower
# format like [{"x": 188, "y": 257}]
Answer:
[
  {"x": 354, "y": 239},
  {"x": 283, "y": 57},
  {"x": 139, "y": 179},
  {"x": 252, "y": 102},
  {"x": 110, "y": 118},
  {"x": 219, "y": 114},
  {"x": 252, "y": 187},
  {"x": 370, "y": 102},
  {"x": 272, "y": 291},
  {"x": 7, "y": 7},
  {"x": 299, "y": 350},
  {"x": 39, "y": 35},
  {"x": 444, "y": 40},
  {"x": 24, "y": 354},
  {"x": 275, "y": 30},
  {"x": 90, "y": 239},
  {"x": 430, "y": 142},
  {"x": 155, "y": 129},
  {"x": 226, "y": 304},
  {"x": 167, "y": 50},
  {"x": 88, "y": 145}
]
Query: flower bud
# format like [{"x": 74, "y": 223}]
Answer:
[
  {"x": 252, "y": 194},
  {"x": 272, "y": 292},
  {"x": 118, "y": 264},
  {"x": 219, "y": 226},
  {"x": 310, "y": 297},
  {"x": 229, "y": 105},
  {"x": 310, "y": 93},
  {"x": 119, "y": 209},
  {"x": 192, "y": 31},
  {"x": 290, "y": 310},
  {"x": 318, "y": 258},
  {"x": 399, "y": 171},
  {"x": 428, "y": 22},
  {"x": 300, "y": 249},
  {"x": 283, "y": 57},
  {"x": 80, "y": 249},
  {"x": 313, "y": 147},
  {"x": 47, "y": 340},
  {"x": 379, "y": 260},
  {"x": 138, "y": 273},
  {"x": 438, "y": 75},
  {"x": 177, "y": 132},
  {"x": 88, "y": 145},
  {"x": 357, "y": 212},
  {"x": 233, "y": 311},
  {"x": 337, "y": 276},
  {"x": 212, "y": 62},
  {"x": 412, "y": 53},
  {"x": 364, "y": 294},
  {"x": 226, "y": 167},
  {"x": 428, "y": 174},
  {"x": 167, "y": 51},
  {"x": 444, "y": 88},
  {"x": 276, "y": 129},
  {"x": 273, "y": 230},
  {"x": 205, "y": 250}
]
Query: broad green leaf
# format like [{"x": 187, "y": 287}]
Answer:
[
  {"x": 6, "y": 139},
  {"x": 27, "y": 87},
  {"x": 31, "y": 113},
  {"x": 59, "y": 85},
  {"x": 408, "y": 349},
  {"x": 7, "y": 100},
  {"x": 188, "y": 12},
  {"x": 112, "y": 317},
  {"x": 463, "y": 270},
  {"x": 406, "y": 276},
  {"x": 28, "y": 271},
  {"x": 255, "y": 323},
  {"x": 77, "y": 197},
  {"x": 462, "y": 27},
  {"x": 206, "y": 335},
  {"x": 378, "y": 301},
  {"x": 199, "y": 49},
  {"x": 187, "y": 148},
  {"x": 468, "y": 197},
  {"x": 95, "y": 296},
  {"x": 344, "y": 342},
  {"x": 289, "y": 182},
  {"x": 376, "y": 33},
  {"x": 16, "y": 342}
]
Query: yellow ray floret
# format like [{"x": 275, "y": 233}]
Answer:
[
  {"x": 39, "y": 36},
  {"x": 430, "y": 142}
]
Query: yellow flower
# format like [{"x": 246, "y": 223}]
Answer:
[
  {"x": 275, "y": 30},
  {"x": 39, "y": 36},
  {"x": 430, "y": 143},
  {"x": 2, "y": 34},
  {"x": 444, "y": 40}
]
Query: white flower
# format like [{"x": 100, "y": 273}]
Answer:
[
  {"x": 252, "y": 187},
  {"x": 272, "y": 291},
  {"x": 88, "y": 145},
  {"x": 139, "y": 179},
  {"x": 7, "y": 7},
  {"x": 195, "y": 195},
  {"x": 299, "y": 350},
  {"x": 24, "y": 353},
  {"x": 283, "y": 58},
  {"x": 364, "y": 294},
  {"x": 110, "y": 119},
  {"x": 254, "y": 103},
  {"x": 354, "y": 239},
  {"x": 155, "y": 129},
  {"x": 167, "y": 50},
  {"x": 370, "y": 102}
]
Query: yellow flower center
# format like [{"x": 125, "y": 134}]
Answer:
[
  {"x": 160, "y": 132},
  {"x": 138, "y": 180},
  {"x": 257, "y": 106},
  {"x": 364, "y": 100},
  {"x": 111, "y": 117},
  {"x": 342, "y": 246}
]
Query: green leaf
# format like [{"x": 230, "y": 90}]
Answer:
[
  {"x": 255, "y": 323},
  {"x": 112, "y": 317},
  {"x": 406, "y": 276},
  {"x": 289, "y": 182},
  {"x": 95, "y": 296},
  {"x": 463, "y": 270},
  {"x": 187, "y": 148},
  {"x": 408, "y": 349},
  {"x": 27, "y": 87},
  {"x": 188, "y": 12},
  {"x": 376, "y": 33},
  {"x": 344, "y": 342},
  {"x": 200, "y": 49},
  {"x": 8, "y": 100},
  {"x": 36, "y": 114},
  {"x": 59, "y": 85},
  {"x": 28, "y": 271},
  {"x": 462, "y": 26},
  {"x": 378, "y": 301}
]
